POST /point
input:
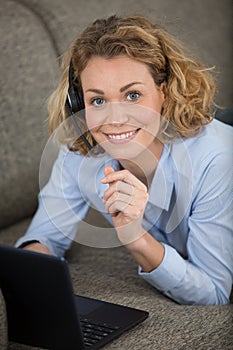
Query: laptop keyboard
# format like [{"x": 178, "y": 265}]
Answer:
[{"x": 93, "y": 332}]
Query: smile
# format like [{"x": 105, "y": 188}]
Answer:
[{"x": 119, "y": 137}]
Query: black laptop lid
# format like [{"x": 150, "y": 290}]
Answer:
[
  {"x": 39, "y": 286},
  {"x": 43, "y": 311}
]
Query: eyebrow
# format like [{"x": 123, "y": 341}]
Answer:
[{"x": 100, "y": 92}]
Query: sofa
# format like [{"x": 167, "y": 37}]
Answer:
[{"x": 34, "y": 35}]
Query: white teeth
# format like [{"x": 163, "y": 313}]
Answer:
[{"x": 121, "y": 136}]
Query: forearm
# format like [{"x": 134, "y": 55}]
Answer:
[
  {"x": 165, "y": 269},
  {"x": 46, "y": 234},
  {"x": 186, "y": 283},
  {"x": 147, "y": 251}
]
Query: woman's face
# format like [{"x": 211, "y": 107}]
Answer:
[{"x": 123, "y": 105}]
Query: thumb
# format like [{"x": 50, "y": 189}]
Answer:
[{"x": 108, "y": 170}]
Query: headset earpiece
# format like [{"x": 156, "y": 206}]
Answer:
[
  {"x": 74, "y": 100},
  {"x": 74, "y": 104}
]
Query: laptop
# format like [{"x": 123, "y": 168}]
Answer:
[{"x": 43, "y": 311}]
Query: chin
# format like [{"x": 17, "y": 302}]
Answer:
[{"x": 124, "y": 151}]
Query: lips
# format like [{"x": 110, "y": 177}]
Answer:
[{"x": 121, "y": 137}]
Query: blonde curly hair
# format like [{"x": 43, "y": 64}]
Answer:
[{"x": 188, "y": 84}]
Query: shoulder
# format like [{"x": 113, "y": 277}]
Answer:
[
  {"x": 215, "y": 138},
  {"x": 76, "y": 164},
  {"x": 206, "y": 157},
  {"x": 215, "y": 141},
  {"x": 68, "y": 160}
]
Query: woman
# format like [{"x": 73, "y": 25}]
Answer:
[{"x": 150, "y": 155}]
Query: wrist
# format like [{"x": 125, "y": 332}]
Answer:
[
  {"x": 37, "y": 247},
  {"x": 147, "y": 251},
  {"x": 28, "y": 243},
  {"x": 139, "y": 244}
]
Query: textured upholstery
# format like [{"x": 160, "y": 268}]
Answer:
[
  {"x": 34, "y": 33},
  {"x": 28, "y": 66}
]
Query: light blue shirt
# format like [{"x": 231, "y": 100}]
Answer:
[{"x": 189, "y": 211}]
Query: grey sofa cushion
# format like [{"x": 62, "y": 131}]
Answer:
[{"x": 28, "y": 66}]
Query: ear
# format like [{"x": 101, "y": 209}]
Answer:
[{"x": 163, "y": 88}]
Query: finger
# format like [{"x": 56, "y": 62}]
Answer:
[
  {"x": 137, "y": 202},
  {"x": 126, "y": 176},
  {"x": 129, "y": 211},
  {"x": 121, "y": 187},
  {"x": 119, "y": 197},
  {"x": 108, "y": 170}
]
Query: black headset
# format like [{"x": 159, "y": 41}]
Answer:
[{"x": 75, "y": 104}]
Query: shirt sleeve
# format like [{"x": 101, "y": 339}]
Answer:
[
  {"x": 61, "y": 206},
  {"x": 206, "y": 276}
]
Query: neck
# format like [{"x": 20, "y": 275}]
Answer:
[{"x": 144, "y": 165}]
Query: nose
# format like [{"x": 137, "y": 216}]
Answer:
[{"x": 116, "y": 113}]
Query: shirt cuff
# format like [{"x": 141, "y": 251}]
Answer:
[{"x": 169, "y": 273}]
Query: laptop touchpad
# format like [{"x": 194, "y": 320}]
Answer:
[{"x": 85, "y": 306}]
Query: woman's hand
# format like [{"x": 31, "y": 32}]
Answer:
[
  {"x": 37, "y": 247},
  {"x": 125, "y": 200}
]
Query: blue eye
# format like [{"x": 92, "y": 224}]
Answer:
[
  {"x": 98, "y": 102},
  {"x": 133, "y": 96}
]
